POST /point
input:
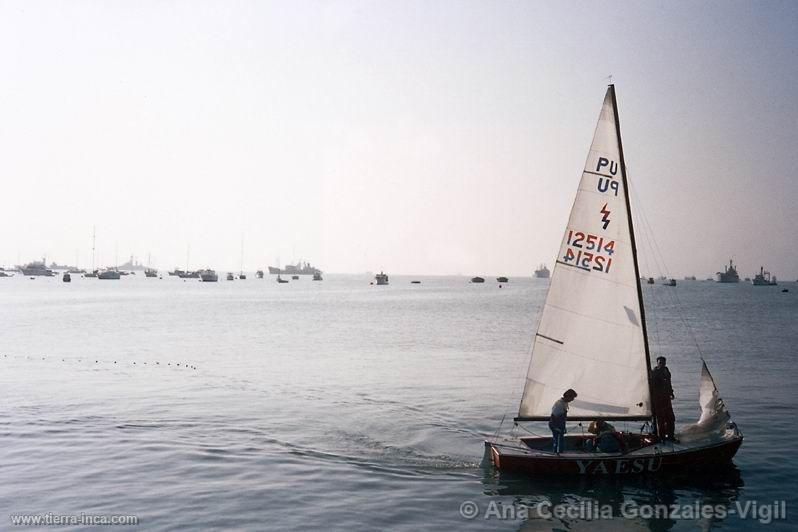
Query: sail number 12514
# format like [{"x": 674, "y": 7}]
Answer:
[{"x": 586, "y": 251}]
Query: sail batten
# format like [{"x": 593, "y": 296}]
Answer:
[{"x": 593, "y": 307}]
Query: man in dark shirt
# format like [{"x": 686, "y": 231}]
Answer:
[{"x": 662, "y": 394}]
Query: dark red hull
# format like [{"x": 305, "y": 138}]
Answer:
[{"x": 654, "y": 462}]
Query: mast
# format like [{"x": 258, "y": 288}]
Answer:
[
  {"x": 632, "y": 235},
  {"x": 93, "y": 245}
]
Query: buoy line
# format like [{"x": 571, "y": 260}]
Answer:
[{"x": 89, "y": 360}]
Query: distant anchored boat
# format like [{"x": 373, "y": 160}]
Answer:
[
  {"x": 542, "y": 272},
  {"x": 208, "y": 276},
  {"x": 729, "y": 275},
  {"x": 109, "y": 274},
  {"x": 37, "y": 268},
  {"x": 280, "y": 279},
  {"x": 763, "y": 278},
  {"x": 317, "y": 275},
  {"x": 502, "y": 279},
  {"x": 149, "y": 272},
  {"x": 299, "y": 268},
  {"x": 477, "y": 279},
  {"x": 381, "y": 278}
]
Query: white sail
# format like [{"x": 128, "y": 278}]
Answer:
[
  {"x": 714, "y": 417},
  {"x": 591, "y": 336}
]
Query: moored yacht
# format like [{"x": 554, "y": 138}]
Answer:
[{"x": 109, "y": 274}]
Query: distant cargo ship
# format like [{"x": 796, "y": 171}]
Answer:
[
  {"x": 294, "y": 269},
  {"x": 729, "y": 275},
  {"x": 37, "y": 268},
  {"x": 542, "y": 272}
]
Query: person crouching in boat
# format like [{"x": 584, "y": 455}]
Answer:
[
  {"x": 607, "y": 439},
  {"x": 662, "y": 395},
  {"x": 559, "y": 413}
]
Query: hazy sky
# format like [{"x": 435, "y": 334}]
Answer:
[{"x": 416, "y": 137}]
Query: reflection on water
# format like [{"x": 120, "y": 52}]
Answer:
[{"x": 622, "y": 501}]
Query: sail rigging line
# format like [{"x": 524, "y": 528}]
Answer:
[
  {"x": 673, "y": 293},
  {"x": 513, "y": 390},
  {"x": 631, "y": 234}
]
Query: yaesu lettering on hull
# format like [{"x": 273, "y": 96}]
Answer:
[{"x": 619, "y": 467}]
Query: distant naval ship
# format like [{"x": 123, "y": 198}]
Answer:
[
  {"x": 728, "y": 276},
  {"x": 542, "y": 272},
  {"x": 37, "y": 268},
  {"x": 294, "y": 269}
]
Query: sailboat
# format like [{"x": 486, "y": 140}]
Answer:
[
  {"x": 592, "y": 338},
  {"x": 241, "y": 274},
  {"x": 93, "y": 272}
]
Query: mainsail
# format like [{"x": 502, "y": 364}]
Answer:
[{"x": 591, "y": 335}]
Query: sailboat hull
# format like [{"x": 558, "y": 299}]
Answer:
[{"x": 655, "y": 459}]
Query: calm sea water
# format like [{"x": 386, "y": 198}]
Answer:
[{"x": 340, "y": 405}]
